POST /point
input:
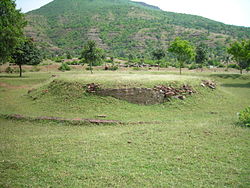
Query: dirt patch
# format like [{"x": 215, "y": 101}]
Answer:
[
  {"x": 13, "y": 87},
  {"x": 72, "y": 121}
]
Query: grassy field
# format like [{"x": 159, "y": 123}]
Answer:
[{"x": 197, "y": 142}]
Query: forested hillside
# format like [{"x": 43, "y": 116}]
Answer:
[{"x": 123, "y": 27}]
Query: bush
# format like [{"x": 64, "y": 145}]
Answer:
[
  {"x": 136, "y": 68},
  {"x": 248, "y": 69},
  {"x": 113, "y": 68},
  {"x": 221, "y": 65},
  {"x": 244, "y": 116},
  {"x": 233, "y": 66},
  {"x": 64, "y": 67},
  {"x": 88, "y": 68},
  {"x": 35, "y": 69},
  {"x": 9, "y": 70},
  {"x": 193, "y": 66}
]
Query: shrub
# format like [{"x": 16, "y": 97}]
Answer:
[
  {"x": 9, "y": 70},
  {"x": 248, "y": 69},
  {"x": 88, "y": 68},
  {"x": 35, "y": 69},
  {"x": 193, "y": 66},
  {"x": 233, "y": 66},
  {"x": 64, "y": 67},
  {"x": 244, "y": 116},
  {"x": 136, "y": 68},
  {"x": 113, "y": 68},
  {"x": 221, "y": 65}
]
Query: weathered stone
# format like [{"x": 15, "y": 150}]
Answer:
[{"x": 145, "y": 96}]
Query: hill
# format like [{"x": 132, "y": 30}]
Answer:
[{"x": 122, "y": 27}]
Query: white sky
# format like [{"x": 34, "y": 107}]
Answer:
[{"x": 235, "y": 12}]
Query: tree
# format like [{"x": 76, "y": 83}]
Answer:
[
  {"x": 182, "y": 50},
  {"x": 92, "y": 54},
  {"x": 241, "y": 53},
  {"x": 158, "y": 54},
  {"x": 12, "y": 23},
  {"x": 26, "y": 53},
  {"x": 201, "y": 54}
]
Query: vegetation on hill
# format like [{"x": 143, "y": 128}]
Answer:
[
  {"x": 12, "y": 23},
  {"x": 122, "y": 27}
]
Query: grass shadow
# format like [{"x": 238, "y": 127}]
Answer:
[
  {"x": 231, "y": 76},
  {"x": 12, "y": 76},
  {"x": 239, "y": 124},
  {"x": 239, "y": 85}
]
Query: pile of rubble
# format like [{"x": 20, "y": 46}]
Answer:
[
  {"x": 92, "y": 88},
  {"x": 208, "y": 83},
  {"x": 179, "y": 93}
]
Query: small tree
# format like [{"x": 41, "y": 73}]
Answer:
[
  {"x": 158, "y": 54},
  {"x": 241, "y": 53},
  {"x": 12, "y": 23},
  {"x": 182, "y": 50},
  {"x": 92, "y": 54},
  {"x": 201, "y": 54},
  {"x": 26, "y": 54}
]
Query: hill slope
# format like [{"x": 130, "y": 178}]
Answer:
[{"x": 122, "y": 27}]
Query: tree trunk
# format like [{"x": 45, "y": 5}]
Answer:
[
  {"x": 20, "y": 70},
  {"x": 91, "y": 67},
  {"x": 180, "y": 67},
  {"x": 240, "y": 70}
]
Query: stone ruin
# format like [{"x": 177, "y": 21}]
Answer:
[{"x": 145, "y": 96}]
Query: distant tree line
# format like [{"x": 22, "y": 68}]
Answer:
[{"x": 17, "y": 48}]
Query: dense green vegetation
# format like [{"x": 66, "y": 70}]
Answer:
[
  {"x": 123, "y": 27},
  {"x": 12, "y": 23},
  {"x": 197, "y": 142}
]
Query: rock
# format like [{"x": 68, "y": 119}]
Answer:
[
  {"x": 208, "y": 83},
  {"x": 92, "y": 88},
  {"x": 102, "y": 116},
  {"x": 203, "y": 85},
  {"x": 181, "y": 97}
]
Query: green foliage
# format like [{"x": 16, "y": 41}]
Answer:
[
  {"x": 9, "y": 70},
  {"x": 12, "y": 23},
  {"x": 122, "y": 27},
  {"x": 193, "y": 66},
  {"x": 26, "y": 53},
  {"x": 69, "y": 55},
  {"x": 241, "y": 53},
  {"x": 182, "y": 50},
  {"x": 89, "y": 68},
  {"x": 244, "y": 116},
  {"x": 201, "y": 54},
  {"x": 113, "y": 68},
  {"x": 91, "y": 54},
  {"x": 158, "y": 54},
  {"x": 64, "y": 67}
]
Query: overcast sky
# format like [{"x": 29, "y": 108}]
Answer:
[{"x": 235, "y": 12}]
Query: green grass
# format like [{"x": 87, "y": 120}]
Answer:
[{"x": 197, "y": 144}]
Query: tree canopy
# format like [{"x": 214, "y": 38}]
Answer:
[
  {"x": 182, "y": 50},
  {"x": 12, "y": 23},
  {"x": 158, "y": 54},
  {"x": 92, "y": 54},
  {"x": 26, "y": 53},
  {"x": 241, "y": 53},
  {"x": 201, "y": 54}
]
